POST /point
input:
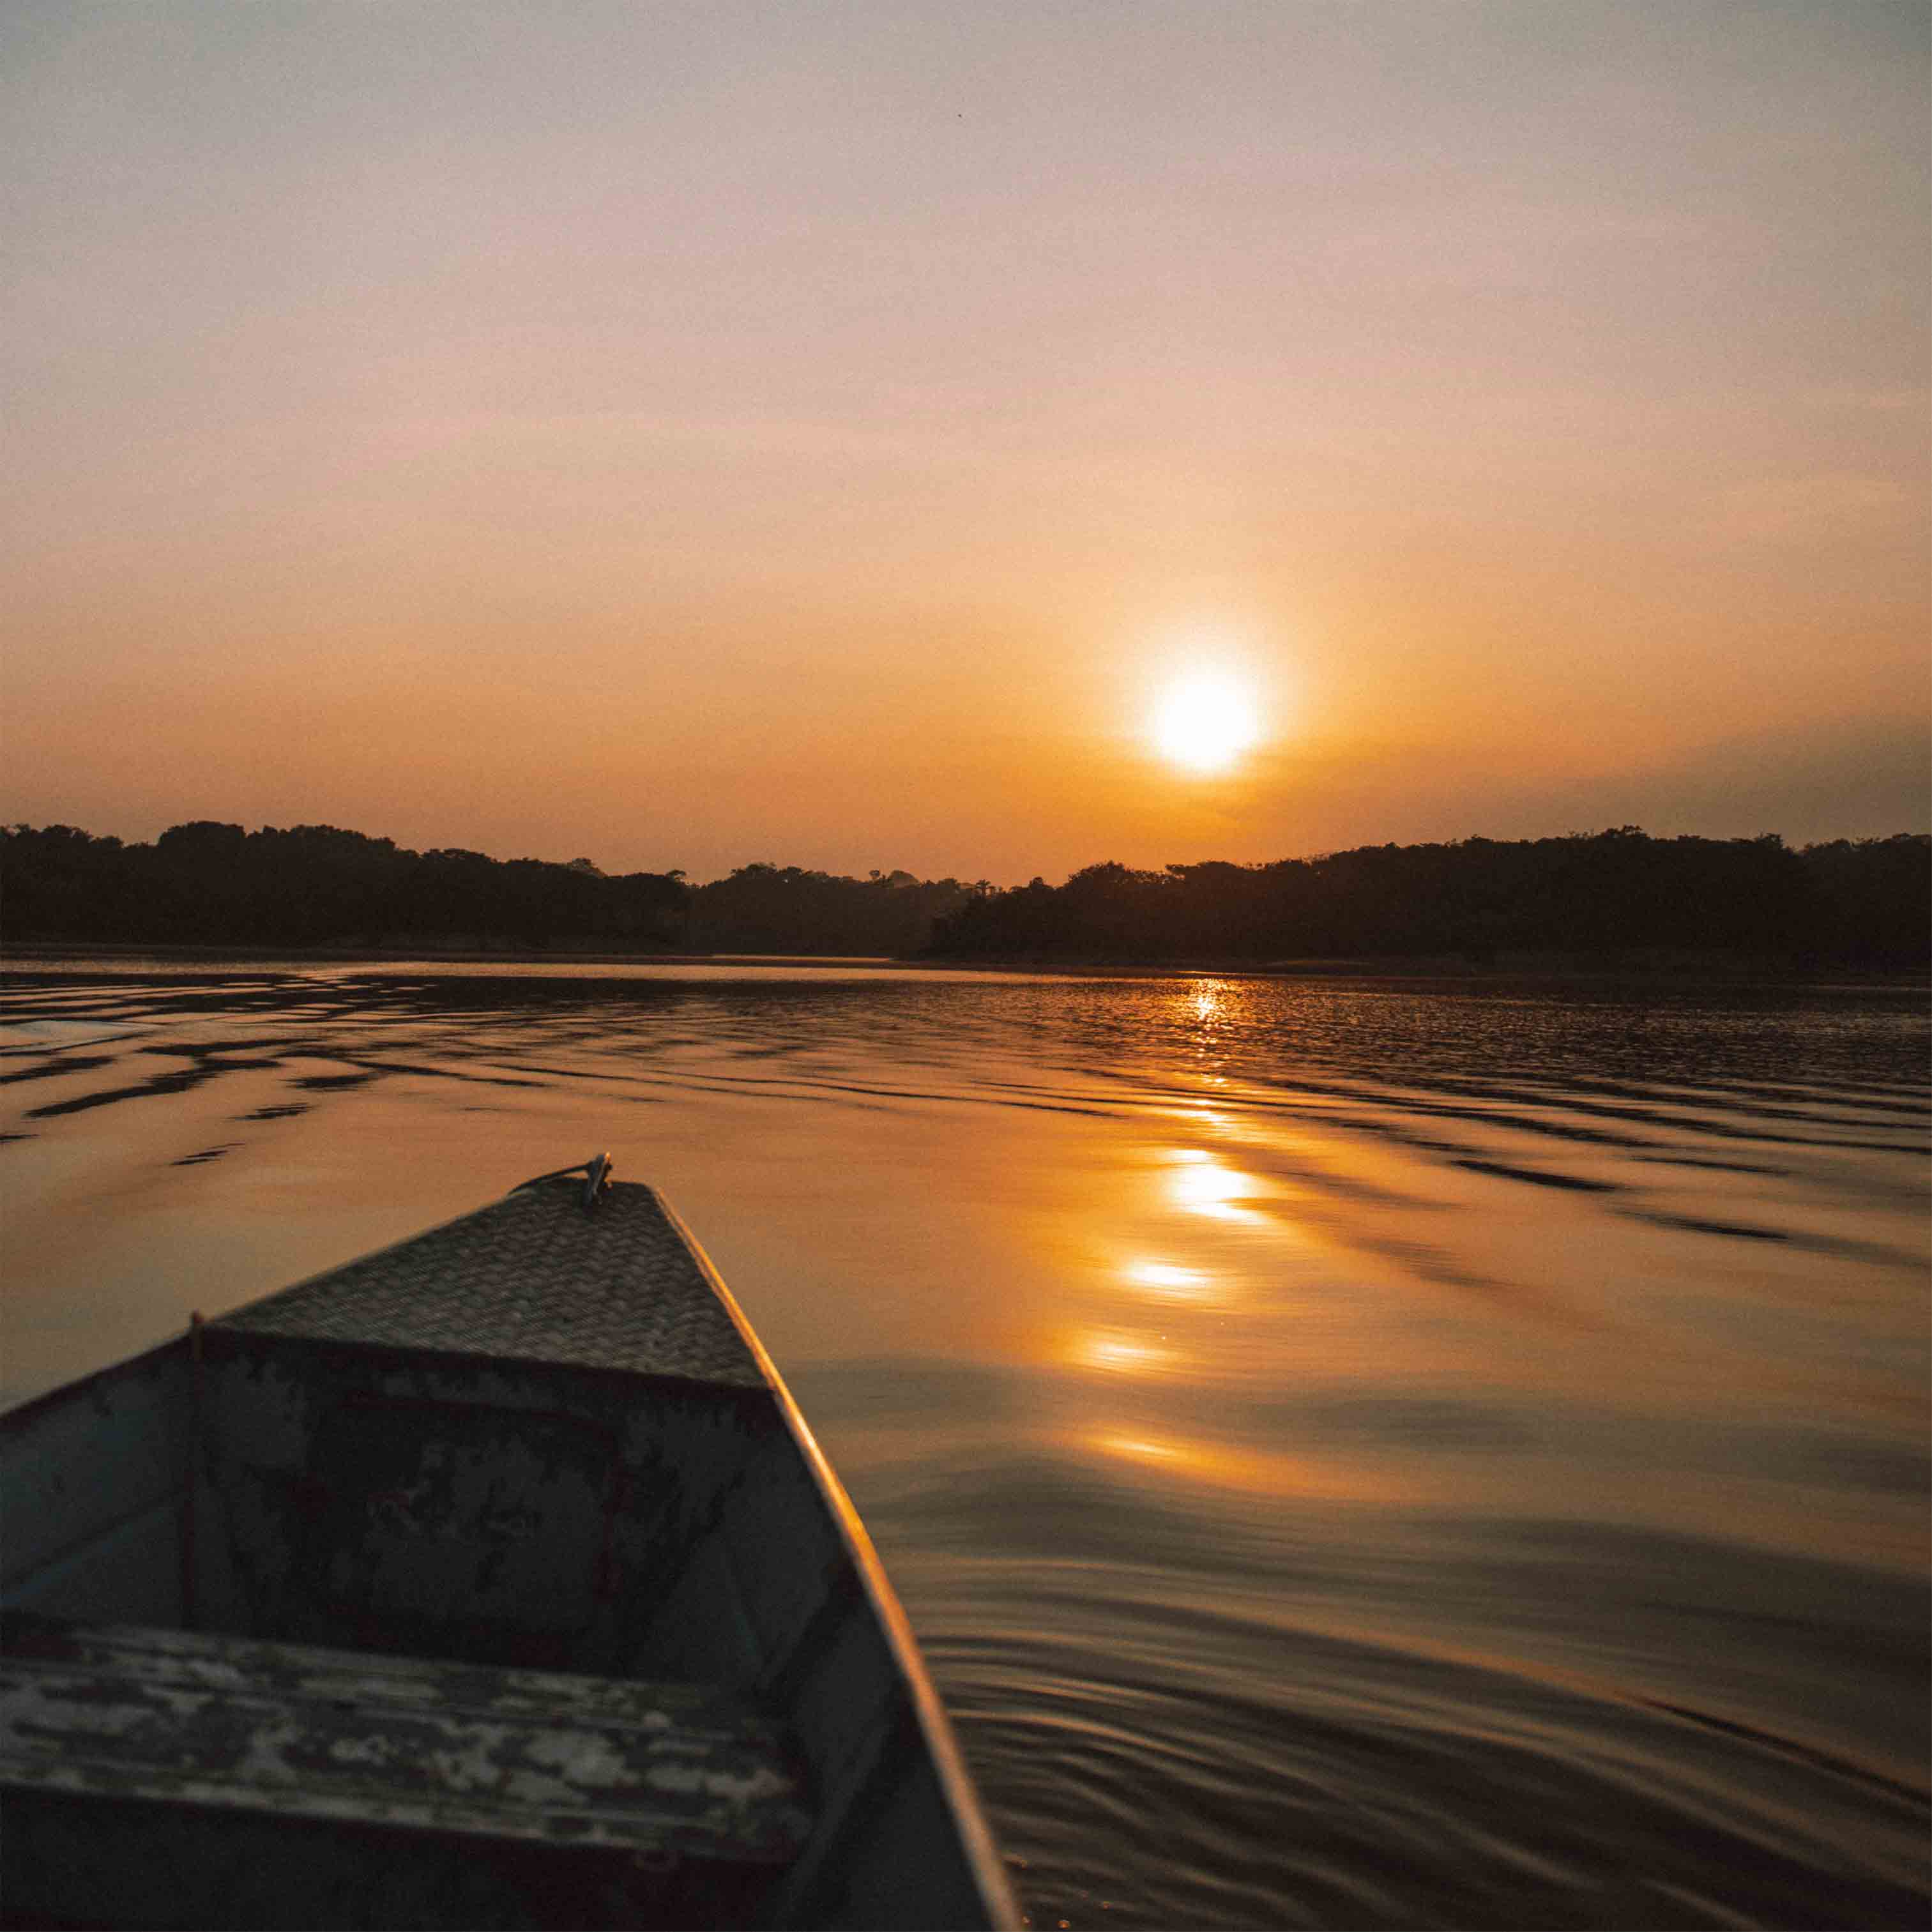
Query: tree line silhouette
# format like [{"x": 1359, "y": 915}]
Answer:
[
  {"x": 315, "y": 885},
  {"x": 213, "y": 884},
  {"x": 767, "y": 908},
  {"x": 1865, "y": 903}
]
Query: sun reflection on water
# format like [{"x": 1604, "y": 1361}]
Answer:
[
  {"x": 1165, "y": 1280},
  {"x": 1114, "y": 1349},
  {"x": 1202, "y": 1185},
  {"x": 1142, "y": 1448},
  {"x": 1270, "y": 1476},
  {"x": 1208, "y": 1002}
]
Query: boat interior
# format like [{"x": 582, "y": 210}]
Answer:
[{"x": 303, "y": 1632}]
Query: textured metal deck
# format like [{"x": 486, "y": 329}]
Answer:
[{"x": 535, "y": 1277}]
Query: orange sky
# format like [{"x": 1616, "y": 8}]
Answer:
[{"x": 684, "y": 435}]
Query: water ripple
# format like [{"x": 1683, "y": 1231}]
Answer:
[{"x": 1355, "y": 1454}]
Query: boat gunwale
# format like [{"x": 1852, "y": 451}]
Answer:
[
  {"x": 948, "y": 1762},
  {"x": 20, "y": 1414}
]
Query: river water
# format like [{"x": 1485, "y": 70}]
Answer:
[{"x": 1355, "y": 1453}]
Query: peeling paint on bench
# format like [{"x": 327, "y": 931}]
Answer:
[{"x": 175, "y": 1717}]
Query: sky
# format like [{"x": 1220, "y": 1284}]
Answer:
[{"x": 688, "y": 435}]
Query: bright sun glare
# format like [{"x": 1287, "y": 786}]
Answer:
[{"x": 1205, "y": 721}]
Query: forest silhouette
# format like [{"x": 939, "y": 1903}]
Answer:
[
  {"x": 1864, "y": 903},
  {"x": 206, "y": 883},
  {"x": 1606, "y": 896}
]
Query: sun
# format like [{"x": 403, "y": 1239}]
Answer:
[{"x": 1204, "y": 721}]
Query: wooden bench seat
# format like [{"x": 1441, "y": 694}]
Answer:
[{"x": 228, "y": 1724}]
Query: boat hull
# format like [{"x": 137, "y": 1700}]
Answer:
[{"x": 540, "y": 1443}]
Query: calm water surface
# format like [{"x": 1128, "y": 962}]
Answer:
[{"x": 1356, "y": 1454}]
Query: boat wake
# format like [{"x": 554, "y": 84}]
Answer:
[{"x": 1164, "y": 1741}]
